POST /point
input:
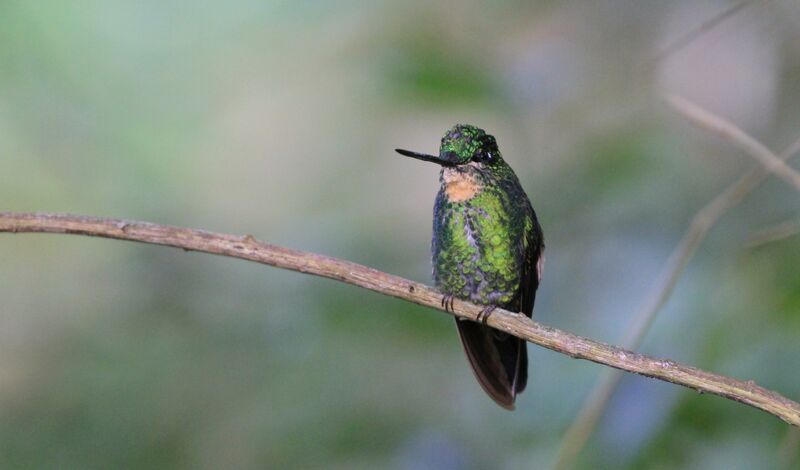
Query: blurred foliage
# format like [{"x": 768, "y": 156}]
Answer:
[{"x": 278, "y": 119}]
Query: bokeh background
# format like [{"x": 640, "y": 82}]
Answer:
[{"x": 279, "y": 119}]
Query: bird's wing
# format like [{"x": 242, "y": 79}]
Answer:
[{"x": 532, "y": 265}]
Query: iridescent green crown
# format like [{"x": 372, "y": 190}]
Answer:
[{"x": 463, "y": 142}]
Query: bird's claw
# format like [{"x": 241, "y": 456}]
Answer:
[
  {"x": 484, "y": 314},
  {"x": 447, "y": 303}
]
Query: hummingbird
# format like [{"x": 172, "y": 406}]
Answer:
[{"x": 488, "y": 249}]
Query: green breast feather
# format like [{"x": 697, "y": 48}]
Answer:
[{"x": 479, "y": 244}]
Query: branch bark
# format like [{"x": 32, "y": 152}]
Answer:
[{"x": 248, "y": 248}]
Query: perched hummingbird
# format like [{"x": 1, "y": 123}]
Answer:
[{"x": 488, "y": 249}]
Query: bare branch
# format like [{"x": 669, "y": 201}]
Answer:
[
  {"x": 515, "y": 324},
  {"x": 594, "y": 406},
  {"x": 772, "y": 234},
  {"x": 741, "y": 139},
  {"x": 705, "y": 27}
]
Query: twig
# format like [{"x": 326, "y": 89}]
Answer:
[
  {"x": 705, "y": 27},
  {"x": 594, "y": 406},
  {"x": 727, "y": 130},
  {"x": 515, "y": 324},
  {"x": 772, "y": 234}
]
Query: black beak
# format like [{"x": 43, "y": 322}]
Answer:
[{"x": 424, "y": 157}]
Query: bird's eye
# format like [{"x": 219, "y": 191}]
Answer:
[
  {"x": 488, "y": 151},
  {"x": 481, "y": 157},
  {"x": 486, "y": 156}
]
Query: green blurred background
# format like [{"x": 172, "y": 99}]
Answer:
[{"x": 278, "y": 119}]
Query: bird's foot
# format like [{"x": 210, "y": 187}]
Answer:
[
  {"x": 485, "y": 313},
  {"x": 447, "y": 303}
]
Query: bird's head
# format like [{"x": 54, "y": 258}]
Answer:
[{"x": 462, "y": 145}]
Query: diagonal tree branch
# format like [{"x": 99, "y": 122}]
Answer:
[
  {"x": 594, "y": 406},
  {"x": 578, "y": 433},
  {"x": 248, "y": 248},
  {"x": 705, "y": 27},
  {"x": 775, "y": 233},
  {"x": 728, "y": 131}
]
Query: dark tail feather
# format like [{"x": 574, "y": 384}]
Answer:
[{"x": 500, "y": 361}]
